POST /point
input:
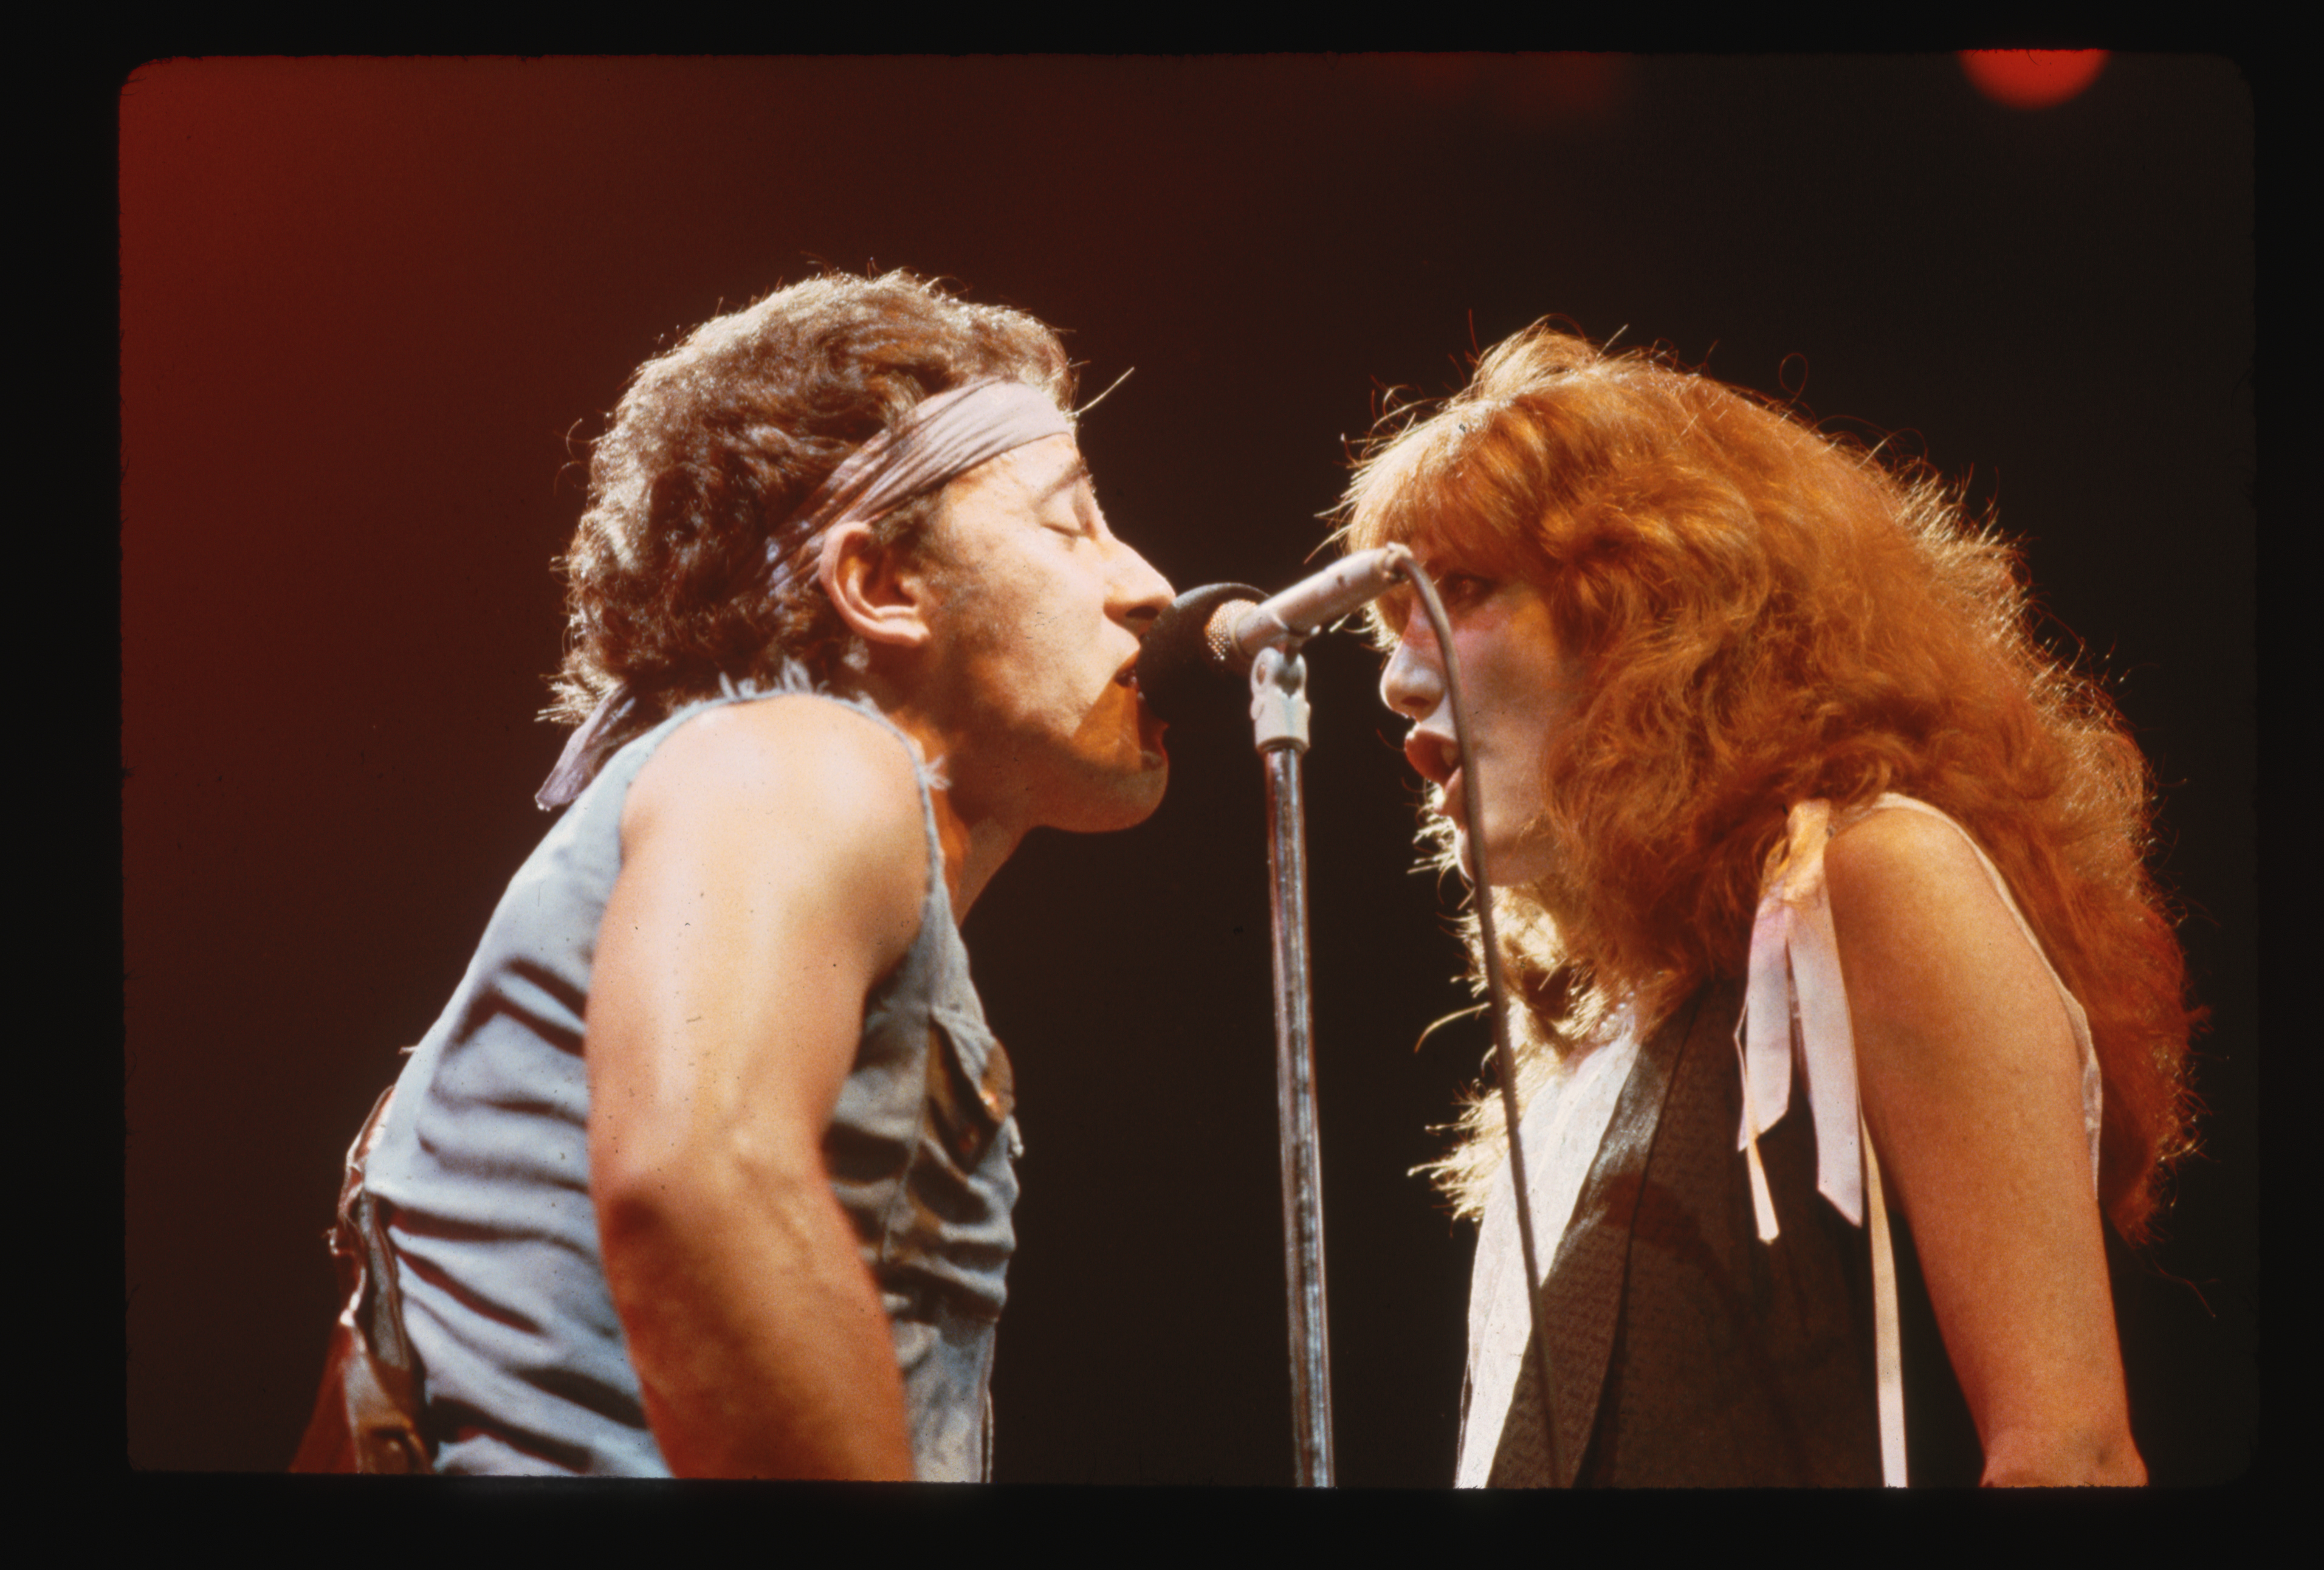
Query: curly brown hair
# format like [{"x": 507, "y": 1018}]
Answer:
[
  {"x": 1767, "y": 614},
  {"x": 718, "y": 441}
]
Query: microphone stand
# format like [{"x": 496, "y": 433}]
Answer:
[
  {"x": 1278, "y": 711},
  {"x": 1197, "y": 636}
]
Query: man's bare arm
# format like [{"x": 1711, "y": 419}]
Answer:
[{"x": 774, "y": 863}]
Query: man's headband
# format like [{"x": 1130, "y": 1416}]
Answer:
[{"x": 941, "y": 439}]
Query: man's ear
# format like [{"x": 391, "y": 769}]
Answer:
[{"x": 881, "y": 593}]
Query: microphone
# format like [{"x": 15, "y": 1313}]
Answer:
[{"x": 1212, "y": 634}]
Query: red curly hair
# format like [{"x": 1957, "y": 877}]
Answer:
[{"x": 1767, "y": 614}]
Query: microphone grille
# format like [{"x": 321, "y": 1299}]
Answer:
[
  {"x": 1219, "y": 632},
  {"x": 1188, "y": 652}
]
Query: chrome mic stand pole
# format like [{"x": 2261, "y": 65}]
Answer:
[{"x": 1278, "y": 711}]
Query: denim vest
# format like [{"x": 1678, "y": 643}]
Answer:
[{"x": 483, "y": 1164}]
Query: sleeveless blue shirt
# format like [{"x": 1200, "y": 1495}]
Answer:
[{"x": 483, "y": 1164}]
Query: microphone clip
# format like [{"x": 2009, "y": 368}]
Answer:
[{"x": 1278, "y": 698}]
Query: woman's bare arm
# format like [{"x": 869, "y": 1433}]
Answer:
[{"x": 1971, "y": 1087}]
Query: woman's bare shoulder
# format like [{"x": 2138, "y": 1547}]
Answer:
[
  {"x": 1927, "y": 941},
  {"x": 1896, "y": 851}
]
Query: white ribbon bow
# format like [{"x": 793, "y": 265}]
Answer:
[{"x": 1792, "y": 941}]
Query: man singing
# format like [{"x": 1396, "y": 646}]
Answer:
[{"x": 707, "y": 1167}]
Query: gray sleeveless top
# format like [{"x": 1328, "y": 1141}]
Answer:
[{"x": 483, "y": 1162}]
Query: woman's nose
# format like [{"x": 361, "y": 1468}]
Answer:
[{"x": 1413, "y": 684}]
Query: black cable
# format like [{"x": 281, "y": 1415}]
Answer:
[{"x": 1496, "y": 994}]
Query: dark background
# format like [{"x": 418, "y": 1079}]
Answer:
[{"x": 370, "y": 310}]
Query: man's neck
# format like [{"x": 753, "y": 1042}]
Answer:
[{"x": 975, "y": 844}]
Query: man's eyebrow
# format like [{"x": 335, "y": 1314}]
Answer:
[{"x": 1077, "y": 472}]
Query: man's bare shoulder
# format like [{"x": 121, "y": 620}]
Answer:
[{"x": 798, "y": 782}]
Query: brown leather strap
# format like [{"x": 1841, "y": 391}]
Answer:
[{"x": 366, "y": 1413}]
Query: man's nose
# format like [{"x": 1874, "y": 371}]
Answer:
[{"x": 1140, "y": 593}]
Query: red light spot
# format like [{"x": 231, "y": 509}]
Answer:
[{"x": 2032, "y": 79}]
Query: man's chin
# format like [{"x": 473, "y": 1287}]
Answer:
[
  {"x": 1142, "y": 795},
  {"x": 1125, "y": 799}
]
